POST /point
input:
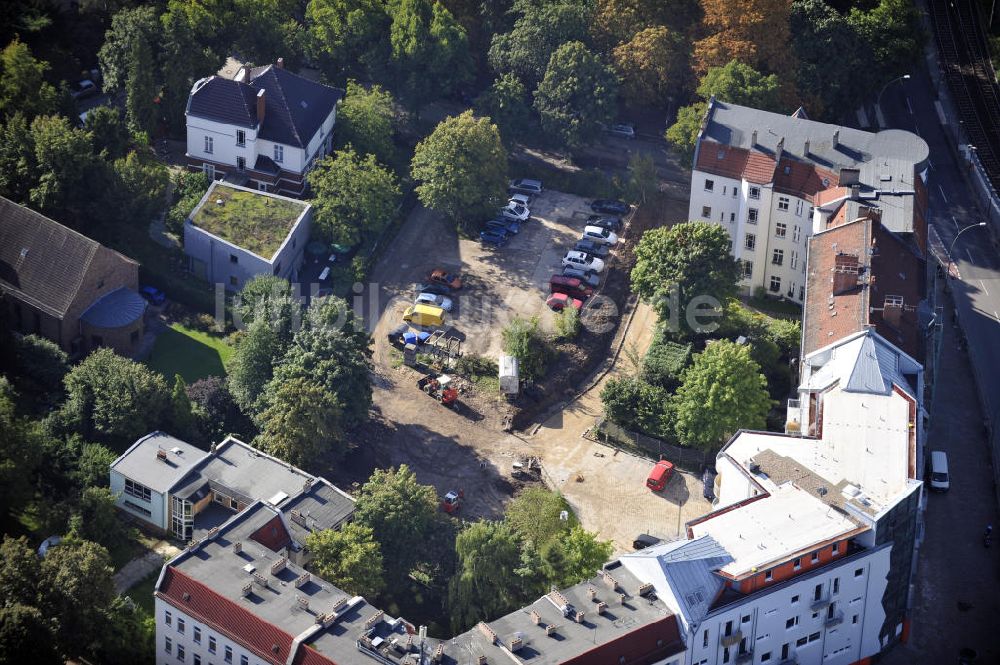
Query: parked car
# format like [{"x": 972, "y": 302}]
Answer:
[
  {"x": 434, "y": 287},
  {"x": 557, "y": 302},
  {"x": 435, "y": 299},
  {"x": 597, "y": 234},
  {"x": 495, "y": 238},
  {"x": 508, "y": 226},
  {"x": 571, "y": 286},
  {"x": 660, "y": 475},
  {"x": 609, "y": 207},
  {"x": 83, "y": 89},
  {"x": 587, "y": 277},
  {"x": 424, "y": 315},
  {"x": 644, "y": 540},
  {"x": 622, "y": 130},
  {"x": 581, "y": 261},
  {"x": 605, "y": 222},
  {"x": 526, "y": 186},
  {"x": 516, "y": 211},
  {"x": 442, "y": 276},
  {"x": 597, "y": 249},
  {"x": 153, "y": 295},
  {"x": 520, "y": 199}
]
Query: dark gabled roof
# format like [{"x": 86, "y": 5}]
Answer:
[
  {"x": 42, "y": 262},
  {"x": 225, "y": 101},
  {"x": 294, "y": 107}
]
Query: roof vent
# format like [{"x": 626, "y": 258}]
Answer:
[
  {"x": 186, "y": 596},
  {"x": 24, "y": 252},
  {"x": 487, "y": 632},
  {"x": 247, "y": 588},
  {"x": 176, "y": 451},
  {"x": 275, "y": 649},
  {"x": 161, "y": 455},
  {"x": 238, "y": 547},
  {"x": 249, "y": 569}
]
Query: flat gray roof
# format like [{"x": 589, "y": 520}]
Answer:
[
  {"x": 141, "y": 464},
  {"x": 322, "y": 507}
]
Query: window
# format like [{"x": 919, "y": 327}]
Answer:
[
  {"x": 241, "y": 137},
  {"x": 775, "y": 284},
  {"x": 801, "y": 642},
  {"x": 859, "y": 572},
  {"x": 141, "y": 492},
  {"x": 208, "y": 145},
  {"x": 244, "y": 660},
  {"x": 732, "y": 217},
  {"x": 279, "y": 153},
  {"x": 723, "y": 190},
  {"x": 798, "y": 208},
  {"x": 168, "y": 618},
  {"x": 780, "y": 229},
  {"x": 261, "y": 186},
  {"x": 137, "y": 508},
  {"x": 792, "y": 622},
  {"x": 754, "y": 193},
  {"x": 782, "y": 203},
  {"x": 814, "y": 637},
  {"x": 796, "y": 233},
  {"x": 784, "y": 651},
  {"x": 233, "y": 258},
  {"x": 180, "y": 626},
  {"x": 795, "y": 599},
  {"x": 734, "y": 192},
  {"x": 750, "y": 241},
  {"x": 745, "y": 619},
  {"x": 241, "y": 163},
  {"x": 778, "y": 257},
  {"x": 725, "y": 655},
  {"x": 208, "y": 170},
  {"x": 704, "y": 639},
  {"x": 197, "y": 635},
  {"x": 768, "y": 576},
  {"x": 836, "y": 548},
  {"x": 831, "y": 610},
  {"x": 729, "y": 628},
  {"x": 168, "y": 645},
  {"x": 795, "y": 260},
  {"x": 706, "y": 212},
  {"x": 798, "y": 561},
  {"x": 197, "y": 659},
  {"x": 815, "y": 557},
  {"x": 228, "y": 657},
  {"x": 211, "y": 644},
  {"x": 752, "y": 216},
  {"x": 854, "y": 619},
  {"x": 802, "y": 291},
  {"x": 818, "y": 592},
  {"x": 709, "y": 185},
  {"x": 836, "y": 585},
  {"x": 766, "y": 656},
  {"x": 234, "y": 281},
  {"x": 747, "y": 269},
  {"x": 180, "y": 652}
]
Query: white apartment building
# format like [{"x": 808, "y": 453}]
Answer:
[
  {"x": 761, "y": 175},
  {"x": 265, "y": 128}
]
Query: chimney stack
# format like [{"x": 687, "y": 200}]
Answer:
[
  {"x": 805, "y": 150},
  {"x": 779, "y": 150},
  {"x": 281, "y": 63},
  {"x": 836, "y": 138},
  {"x": 261, "y": 107},
  {"x": 845, "y": 273},
  {"x": 892, "y": 312},
  {"x": 753, "y": 139}
]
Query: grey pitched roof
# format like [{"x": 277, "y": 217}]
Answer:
[
  {"x": 733, "y": 125},
  {"x": 294, "y": 106},
  {"x": 141, "y": 464},
  {"x": 41, "y": 261},
  {"x": 116, "y": 309}
]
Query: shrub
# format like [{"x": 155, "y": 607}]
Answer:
[
  {"x": 472, "y": 365},
  {"x": 568, "y": 323},
  {"x": 523, "y": 340},
  {"x": 665, "y": 362}
]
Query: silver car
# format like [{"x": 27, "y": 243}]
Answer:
[
  {"x": 585, "y": 276},
  {"x": 434, "y": 300}
]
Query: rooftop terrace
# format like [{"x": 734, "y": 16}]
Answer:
[{"x": 256, "y": 221}]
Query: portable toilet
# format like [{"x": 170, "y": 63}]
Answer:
[{"x": 510, "y": 378}]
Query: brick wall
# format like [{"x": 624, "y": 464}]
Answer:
[{"x": 108, "y": 272}]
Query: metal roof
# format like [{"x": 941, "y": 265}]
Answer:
[
  {"x": 116, "y": 309},
  {"x": 142, "y": 464}
]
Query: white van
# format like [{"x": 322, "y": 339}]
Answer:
[{"x": 938, "y": 470}]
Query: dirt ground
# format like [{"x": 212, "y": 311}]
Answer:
[{"x": 465, "y": 448}]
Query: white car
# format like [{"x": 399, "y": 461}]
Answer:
[
  {"x": 599, "y": 234},
  {"x": 434, "y": 300},
  {"x": 516, "y": 211},
  {"x": 520, "y": 199},
  {"x": 582, "y": 261}
]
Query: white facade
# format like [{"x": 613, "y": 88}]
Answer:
[
  {"x": 138, "y": 500},
  {"x": 181, "y": 638},
  {"x": 788, "y": 624},
  {"x": 769, "y": 230}
]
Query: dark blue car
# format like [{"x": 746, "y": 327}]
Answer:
[
  {"x": 609, "y": 207},
  {"x": 494, "y": 238},
  {"x": 153, "y": 295},
  {"x": 507, "y": 226}
]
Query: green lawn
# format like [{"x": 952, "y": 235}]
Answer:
[
  {"x": 190, "y": 353},
  {"x": 142, "y": 593}
]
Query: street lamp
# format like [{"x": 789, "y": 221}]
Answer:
[
  {"x": 955, "y": 239},
  {"x": 878, "y": 100}
]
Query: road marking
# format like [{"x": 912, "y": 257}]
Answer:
[
  {"x": 931, "y": 164},
  {"x": 969, "y": 252},
  {"x": 908, "y": 105},
  {"x": 984, "y": 287},
  {"x": 996, "y": 315},
  {"x": 945, "y": 197},
  {"x": 953, "y": 219}
]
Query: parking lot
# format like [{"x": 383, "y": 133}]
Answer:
[{"x": 498, "y": 283}]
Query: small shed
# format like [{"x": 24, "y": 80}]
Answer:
[{"x": 510, "y": 377}]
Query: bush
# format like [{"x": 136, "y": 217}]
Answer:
[
  {"x": 472, "y": 365},
  {"x": 637, "y": 406},
  {"x": 523, "y": 340},
  {"x": 568, "y": 323},
  {"x": 665, "y": 362}
]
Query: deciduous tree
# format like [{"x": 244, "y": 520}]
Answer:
[
  {"x": 654, "y": 67},
  {"x": 430, "y": 51},
  {"x": 272, "y": 300},
  {"x": 23, "y": 87},
  {"x": 353, "y": 196},
  {"x": 535, "y": 515},
  {"x": 721, "y": 393},
  {"x": 76, "y": 586},
  {"x": 523, "y": 339},
  {"x": 64, "y": 158},
  {"x": 365, "y": 121},
  {"x": 128, "y": 27},
  {"x": 540, "y": 29},
  {"x": 25, "y": 630},
  {"x": 19, "y": 457},
  {"x": 92, "y": 465},
  {"x": 189, "y": 50},
  {"x": 617, "y": 21},
  {"x": 577, "y": 95},
  {"x": 216, "y": 412},
  {"x": 642, "y": 179},
  {"x": 739, "y": 83},
  {"x": 40, "y": 366},
  {"x": 683, "y": 134},
  {"x": 139, "y": 189},
  {"x": 108, "y": 132},
  {"x": 581, "y": 555},
  {"x": 636, "y": 405},
  {"x": 348, "y": 36},
  {"x": 182, "y": 420},
  {"x": 755, "y": 32},
  {"x": 462, "y": 168},
  {"x": 97, "y": 519},
  {"x": 252, "y": 364},
  {"x": 506, "y": 104},
  {"x": 349, "y": 557},
  {"x": 141, "y": 88},
  {"x": 300, "y": 422}
]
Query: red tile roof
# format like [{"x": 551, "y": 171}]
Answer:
[
  {"x": 831, "y": 194},
  {"x": 759, "y": 168},
  {"x": 802, "y": 179},
  {"x": 729, "y": 165},
  {"x": 227, "y": 617},
  {"x": 307, "y": 655},
  {"x": 273, "y": 535}
]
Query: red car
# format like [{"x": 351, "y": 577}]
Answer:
[
  {"x": 442, "y": 276},
  {"x": 659, "y": 476},
  {"x": 557, "y": 302}
]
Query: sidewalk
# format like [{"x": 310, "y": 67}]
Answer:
[{"x": 139, "y": 568}]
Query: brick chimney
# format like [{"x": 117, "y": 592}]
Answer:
[
  {"x": 280, "y": 64},
  {"x": 845, "y": 273},
  {"x": 261, "y": 107}
]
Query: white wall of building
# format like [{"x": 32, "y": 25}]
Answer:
[
  {"x": 224, "y": 147},
  {"x": 157, "y": 505},
  {"x": 178, "y": 633},
  {"x": 785, "y": 616}
]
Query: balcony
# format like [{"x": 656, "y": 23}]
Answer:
[
  {"x": 820, "y": 604},
  {"x": 835, "y": 620},
  {"x": 731, "y": 640}
]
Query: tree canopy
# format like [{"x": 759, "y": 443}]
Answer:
[
  {"x": 539, "y": 30},
  {"x": 523, "y": 339},
  {"x": 653, "y": 67},
  {"x": 300, "y": 421},
  {"x": 577, "y": 95},
  {"x": 349, "y": 557},
  {"x": 365, "y": 121},
  {"x": 739, "y": 83},
  {"x": 23, "y": 87}
]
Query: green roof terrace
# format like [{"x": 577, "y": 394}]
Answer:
[{"x": 255, "y": 221}]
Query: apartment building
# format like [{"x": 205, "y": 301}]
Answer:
[{"x": 772, "y": 181}]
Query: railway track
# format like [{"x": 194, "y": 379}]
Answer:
[{"x": 962, "y": 43}]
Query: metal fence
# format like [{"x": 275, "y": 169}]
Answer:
[{"x": 690, "y": 459}]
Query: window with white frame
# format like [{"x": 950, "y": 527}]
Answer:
[
  {"x": 180, "y": 652},
  {"x": 279, "y": 153},
  {"x": 709, "y": 185},
  {"x": 168, "y": 618},
  {"x": 211, "y": 644},
  {"x": 752, "y": 215},
  {"x": 209, "y": 141},
  {"x": 241, "y": 163},
  {"x": 137, "y": 508},
  {"x": 794, "y": 259},
  {"x": 754, "y": 192},
  {"x": 168, "y": 645},
  {"x": 747, "y": 269},
  {"x": 778, "y": 257},
  {"x": 735, "y": 192},
  {"x": 140, "y": 492},
  {"x": 750, "y": 242},
  {"x": 775, "y": 284},
  {"x": 798, "y": 207},
  {"x": 197, "y": 635},
  {"x": 780, "y": 230},
  {"x": 241, "y": 138},
  {"x": 782, "y": 203},
  {"x": 893, "y": 301},
  {"x": 796, "y": 233},
  {"x": 180, "y": 626},
  {"x": 706, "y": 212}
]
